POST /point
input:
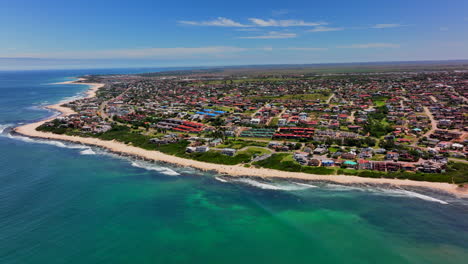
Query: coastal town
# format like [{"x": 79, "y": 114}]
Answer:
[{"x": 396, "y": 124}]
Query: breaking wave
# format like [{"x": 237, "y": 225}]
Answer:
[
  {"x": 72, "y": 98},
  {"x": 283, "y": 186},
  {"x": 296, "y": 186},
  {"x": 409, "y": 194},
  {"x": 88, "y": 151},
  {"x": 4, "y": 127},
  {"x": 338, "y": 187},
  {"x": 385, "y": 191},
  {"x": 154, "y": 167},
  {"x": 221, "y": 179},
  {"x": 48, "y": 142}
]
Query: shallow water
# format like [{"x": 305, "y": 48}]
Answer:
[{"x": 69, "y": 203}]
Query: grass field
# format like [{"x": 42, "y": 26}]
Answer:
[
  {"x": 238, "y": 144},
  {"x": 379, "y": 101}
]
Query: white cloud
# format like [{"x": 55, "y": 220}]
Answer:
[
  {"x": 325, "y": 29},
  {"x": 255, "y": 22},
  {"x": 386, "y": 26},
  {"x": 247, "y": 29},
  {"x": 147, "y": 53},
  {"x": 305, "y": 49},
  {"x": 370, "y": 46},
  {"x": 283, "y": 23},
  {"x": 218, "y": 22},
  {"x": 273, "y": 35}
]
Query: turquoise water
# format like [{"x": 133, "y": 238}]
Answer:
[{"x": 66, "y": 203}]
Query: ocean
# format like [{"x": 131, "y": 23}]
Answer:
[{"x": 69, "y": 203}]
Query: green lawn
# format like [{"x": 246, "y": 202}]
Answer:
[
  {"x": 238, "y": 144},
  {"x": 281, "y": 161},
  {"x": 255, "y": 150},
  {"x": 379, "y": 101}
]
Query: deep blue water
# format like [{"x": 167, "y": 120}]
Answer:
[{"x": 67, "y": 203}]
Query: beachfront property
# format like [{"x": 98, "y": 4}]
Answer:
[{"x": 412, "y": 122}]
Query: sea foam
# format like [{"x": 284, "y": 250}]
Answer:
[
  {"x": 409, "y": 194},
  {"x": 47, "y": 142},
  {"x": 3, "y": 127},
  {"x": 393, "y": 192},
  {"x": 154, "y": 167},
  {"x": 88, "y": 151},
  {"x": 284, "y": 186}
]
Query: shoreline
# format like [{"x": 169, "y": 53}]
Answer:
[
  {"x": 64, "y": 111},
  {"x": 231, "y": 170}
]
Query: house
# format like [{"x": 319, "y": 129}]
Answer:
[
  {"x": 228, "y": 151},
  {"x": 364, "y": 164},
  {"x": 444, "y": 145},
  {"x": 282, "y": 122},
  {"x": 202, "y": 149},
  {"x": 348, "y": 156},
  {"x": 408, "y": 167},
  {"x": 163, "y": 141},
  {"x": 328, "y": 163},
  {"x": 255, "y": 121},
  {"x": 190, "y": 149},
  {"x": 392, "y": 155},
  {"x": 457, "y": 146},
  {"x": 314, "y": 162},
  {"x": 320, "y": 151},
  {"x": 393, "y": 166},
  {"x": 350, "y": 164},
  {"x": 301, "y": 158},
  {"x": 380, "y": 151}
]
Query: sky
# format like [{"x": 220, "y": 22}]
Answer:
[{"x": 145, "y": 33}]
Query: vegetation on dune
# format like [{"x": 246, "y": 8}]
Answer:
[
  {"x": 278, "y": 162},
  {"x": 239, "y": 144},
  {"x": 456, "y": 173},
  {"x": 125, "y": 135}
]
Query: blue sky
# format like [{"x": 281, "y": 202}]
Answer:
[{"x": 92, "y": 34}]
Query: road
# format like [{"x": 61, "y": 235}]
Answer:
[
  {"x": 458, "y": 160},
  {"x": 433, "y": 122}
]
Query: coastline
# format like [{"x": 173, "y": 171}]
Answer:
[
  {"x": 64, "y": 111},
  {"x": 231, "y": 170}
]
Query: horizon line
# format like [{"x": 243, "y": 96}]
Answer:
[{"x": 232, "y": 65}]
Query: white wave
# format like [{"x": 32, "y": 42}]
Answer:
[
  {"x": 410, "y": 194},
  {"x": 48, "y": 142},
  {"x": 384, "y": 191},
  {"x": 87, "y": 152},
  {"x": 72, "y": 98},
  {"x": 337, "y": 187},
  {"x": 306, "y": 185},
  {"x": 220, "y": 179},
  {"x": 153, "y": 167},
  {"x": 4, "y": 127},
  {"x": 36, "y": 108},
  {"x": 292, "y": 186}
]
